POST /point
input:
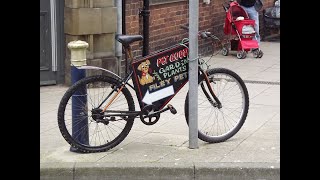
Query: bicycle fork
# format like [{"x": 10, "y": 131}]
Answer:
[{"x": 217, "y": 102}]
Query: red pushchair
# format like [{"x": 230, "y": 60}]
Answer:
[{"x": 240, "y": 31}]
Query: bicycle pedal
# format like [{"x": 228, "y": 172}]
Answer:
[{"x": 172, "y": 109}]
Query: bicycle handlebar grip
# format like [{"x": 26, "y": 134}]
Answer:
[
  {"x": 208, "y": 33},
  {"x": 203, "y": 35}
]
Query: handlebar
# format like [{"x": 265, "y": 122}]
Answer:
[
  {"x": 202, "y": 34},
  {"x": 184, "y": 27},
  {"x": 228, "y": 5},
  {"x": 225, "y": 8}
]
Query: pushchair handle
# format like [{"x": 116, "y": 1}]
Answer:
[
  {"x": 225, "y": 8},
  {"x": 228, "y": 5}
]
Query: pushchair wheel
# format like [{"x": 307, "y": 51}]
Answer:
[
  {"x": 225, "y": 51},
  {"x": 256, "y": 53},
  {"x": 260, "y": 54},
  {"x": 241, "y": 54},
  {"x": 244, "y": 55}
]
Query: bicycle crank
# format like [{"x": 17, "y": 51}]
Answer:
[{"x": 149, "y": 112}]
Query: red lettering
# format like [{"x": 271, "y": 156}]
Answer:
[
  {"x": 173, "y": 57},
  {"x": 166, "y": 58},
  {"x": 185, "y": 52},
  {"x": 158, "y": 61},
  {"x": 163, "y": 60},
  {"x": 180, "y": 54}
]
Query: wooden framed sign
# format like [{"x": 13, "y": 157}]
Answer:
[{"x": 158, "y": 77}]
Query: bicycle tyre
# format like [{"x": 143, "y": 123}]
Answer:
[
  {"x": 94, "y": 84},
  {"x": 203, "y": 134}
]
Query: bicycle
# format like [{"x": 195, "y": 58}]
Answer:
[{"x": 107, "y": 110}]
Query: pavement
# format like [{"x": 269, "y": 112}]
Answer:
[{"x": 161, "y": 151}]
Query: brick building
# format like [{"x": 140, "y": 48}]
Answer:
[
  {"x": 167, "y": 15},
  {"x": 94, "y": 21}
]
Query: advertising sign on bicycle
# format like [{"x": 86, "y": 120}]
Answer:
[{"x": 160, "y": 76}]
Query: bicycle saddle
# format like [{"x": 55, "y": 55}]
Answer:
[{"x": 128, "y": 39}]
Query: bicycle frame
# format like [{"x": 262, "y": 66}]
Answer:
[
  {"x": 170, "y": 74},
  {"x": 102, "y": 105}
]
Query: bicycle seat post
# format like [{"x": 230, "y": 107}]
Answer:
[
  {"x": 128, "y": 54},
  {"x": 128, "y": 51}
]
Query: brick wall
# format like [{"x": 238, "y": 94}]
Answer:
[{"x": 165, "y": 20}]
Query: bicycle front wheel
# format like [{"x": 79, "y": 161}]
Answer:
[
  {"x": 81, "y": 120},
  {"x": 219, "y": 124}
]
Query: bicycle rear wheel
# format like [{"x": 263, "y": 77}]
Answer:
[
  {"x": 214, "y": 124},
  {"x": 80, "y": 120}
]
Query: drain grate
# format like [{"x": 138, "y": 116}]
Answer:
[{"x": 262, "y": 82}]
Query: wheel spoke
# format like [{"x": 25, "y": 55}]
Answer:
[
  {"x": 101, "y": 133},
  {"x": 216, "y": 124}
]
